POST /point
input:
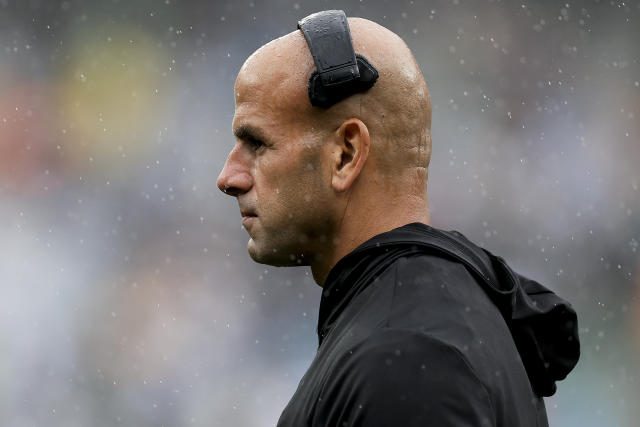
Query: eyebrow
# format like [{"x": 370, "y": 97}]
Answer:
[{"x": 249, "y": 133}]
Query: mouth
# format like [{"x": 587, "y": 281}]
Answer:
[
  {"x": 247, "y": 214},
  {"x": 246, "y": 218}
]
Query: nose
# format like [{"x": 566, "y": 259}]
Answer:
[{"x": 235, "y": 178}]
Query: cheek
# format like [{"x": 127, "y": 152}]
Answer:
[
  {"x": 291, "y": 185},
  {"x": 312, "y": 190},
  {"x": 299, "y": 190},
  {"x": 275, "y": 188}
]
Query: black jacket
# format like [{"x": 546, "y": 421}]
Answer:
[{"x": 420, "y": 327}]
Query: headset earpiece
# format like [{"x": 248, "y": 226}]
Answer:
[{"x": 340, "y": 72}]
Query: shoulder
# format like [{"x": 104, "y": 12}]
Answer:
[
  {"x": 411, "y": 354},
  {"x": 427, "y": 267},
  {"x": 402, "y": 377},
  {"x": 430, "y": 275},
  {"x": 441, "y": 297}
]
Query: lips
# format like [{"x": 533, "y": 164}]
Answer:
[
  {"x": 247, "y": 219},
  {"x": 247, "y": 216}
]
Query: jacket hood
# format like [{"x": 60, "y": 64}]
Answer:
[{"x": 544, "y": 326}]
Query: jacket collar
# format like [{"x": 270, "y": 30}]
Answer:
[
  {"x": 356, "y": 270},
  {"x": 543, "y": 325}
]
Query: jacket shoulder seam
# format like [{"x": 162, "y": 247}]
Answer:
[{"x": 393, "y": 295}]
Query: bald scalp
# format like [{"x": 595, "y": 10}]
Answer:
[
  {"x": 283, "y": 67},
  {"x": 396, "y": 110}
]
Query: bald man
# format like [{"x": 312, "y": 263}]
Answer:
[{"x": 417, "y": 326}]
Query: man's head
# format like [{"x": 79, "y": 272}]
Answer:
[{"x": 312, "y": 176}]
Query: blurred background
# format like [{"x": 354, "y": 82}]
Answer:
[{"x": 127, "y": 296}]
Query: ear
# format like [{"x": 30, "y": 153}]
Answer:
[{"x": 350, "y": 153}]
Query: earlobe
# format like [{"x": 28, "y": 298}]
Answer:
[{"x": 353, "y": 143}]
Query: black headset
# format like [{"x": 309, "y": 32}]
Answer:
[{"x": 340, "y": 72}]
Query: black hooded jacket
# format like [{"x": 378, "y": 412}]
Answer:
[{"x": 420, "y": 327}]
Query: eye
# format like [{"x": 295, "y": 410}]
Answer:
[{"x": 255, "y": 144}]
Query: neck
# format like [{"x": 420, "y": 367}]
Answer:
[{"x": 358, "y": 227}]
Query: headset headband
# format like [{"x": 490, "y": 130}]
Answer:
[{"x": 340, "y": 72}]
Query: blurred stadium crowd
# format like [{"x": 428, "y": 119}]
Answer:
[{"x": 126, "y": 293}]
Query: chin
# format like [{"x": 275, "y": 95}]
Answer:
[{"x": 276, "y": 258}]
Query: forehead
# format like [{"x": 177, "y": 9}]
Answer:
[
  {"x": 268, "y": 80},
  {"x": 253, "y": 115},
  {"x": 277, "y": 109},
  {"x": 268, "y": 122},
  {"x": 273, "y": 80}
]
